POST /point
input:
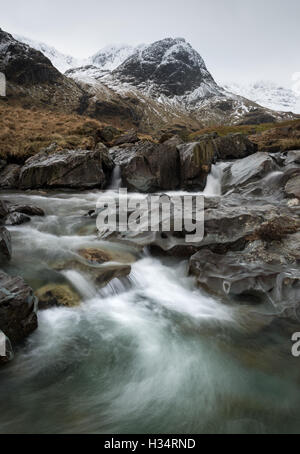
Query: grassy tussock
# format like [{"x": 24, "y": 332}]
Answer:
[
  {"x": 23, "y": 132},
  {"x": 244, "y": 129}
]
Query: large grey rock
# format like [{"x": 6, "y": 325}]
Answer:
[
  {"x": 5, "y": 245},
  {"x": 29, "y": 210},
  {"x": 227, "y": 224},
  {"x": 195, "y": 163},
  {"x": 292, "y": 157},
  {"x": 9, "y": 177},
  {"x": 18, "y": 307},
  {"x": 66, "y": 169},
  {"x": 292, "y": 187},
  {"x": 247, "y": 170},
  {"x": 148, "y": 167},
  {"x": 234, "y": 146},
  {"x": 259, "y": 273}
]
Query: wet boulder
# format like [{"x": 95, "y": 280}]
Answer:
[
  {"x": 16, "y": 219},
  {"x": 5, "y": 245},
  {"x": 234, "y": 146},
  {"x": 18, "y": 306},
  {"x": 227, "y": 224},
  {"x": 292, "y": 187},
  {"x": 148, "y": 167},
  {"x": 99, "y": 264},
  {"x": 292, "y": 157},
  {"x": 247, "y": 170},
  {"x": 98, "y": 256},
  {"x": 257, "y": 274},
  {"x": 29, "y": 210},
  {"x": 195, "y": 163},
  {"x": 170, "y": 139},
  {"x": 3, "y": 210},
  {"x": 9, "y": 176},
  {"x": 81, "y": 169}
]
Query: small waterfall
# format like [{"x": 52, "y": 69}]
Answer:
[
  {"x": 214, "y": 180},
  {"x": 82, "y": 285},
  {"x": 116, "y": 178}
]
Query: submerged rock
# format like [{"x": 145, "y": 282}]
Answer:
[
  {"x": 16, "y": 219},
  {"x": 29, "y": 210},
  {"x": 57, "y": 295},
  {"x": 100, "y": 265},
  {"x": 11, "y": 214},
  {"x": 97, "y": 255},
  {"x": 18, "y": 307}
]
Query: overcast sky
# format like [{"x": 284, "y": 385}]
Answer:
[{"x": 240, "y": 40}]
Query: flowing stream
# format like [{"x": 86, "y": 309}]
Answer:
[{"x": 150, "y": 353}]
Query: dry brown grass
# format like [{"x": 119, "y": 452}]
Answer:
[
  {"x": 255, "y": 130},
  {"x": 286, "y": 136},
  {"x": 23, "y": 132}
]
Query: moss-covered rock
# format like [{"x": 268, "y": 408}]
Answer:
[{"x": 54, "y": 295}]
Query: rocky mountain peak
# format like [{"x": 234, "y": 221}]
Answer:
[{"x": 169, "y": 66}]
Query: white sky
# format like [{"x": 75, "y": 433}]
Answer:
[{"x": 240, "y": 40}]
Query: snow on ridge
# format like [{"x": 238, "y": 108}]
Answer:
[
  {"x": 268, "y": 94},
  {"x": 113, "y": 55},
  {"x": 108, "y": 58},
  {"x": 61, "y": 61},
  {"x": 102, "y": 65}
]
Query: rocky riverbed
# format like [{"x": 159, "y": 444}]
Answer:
[{"x": 142, "y": 331}]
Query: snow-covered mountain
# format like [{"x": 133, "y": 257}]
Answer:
[
  {"x": 267, "y": 94},
  {"x": 101, "y": 63},
  {"x": 61, "y": 61},
  {"x": 167, "y": 78},
  {"x": 110, "y": 57},
  {"x": 163, "y": 84},
  {"x": 107, "y": 58},
  {"x": 167, "y": 68}
]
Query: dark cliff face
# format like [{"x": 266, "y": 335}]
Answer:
[
  {"x": 170, "y": 67},
  {"x": 24, "y": 65}
]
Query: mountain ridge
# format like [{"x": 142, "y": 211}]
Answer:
[{"x": 164, "y": 84}]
